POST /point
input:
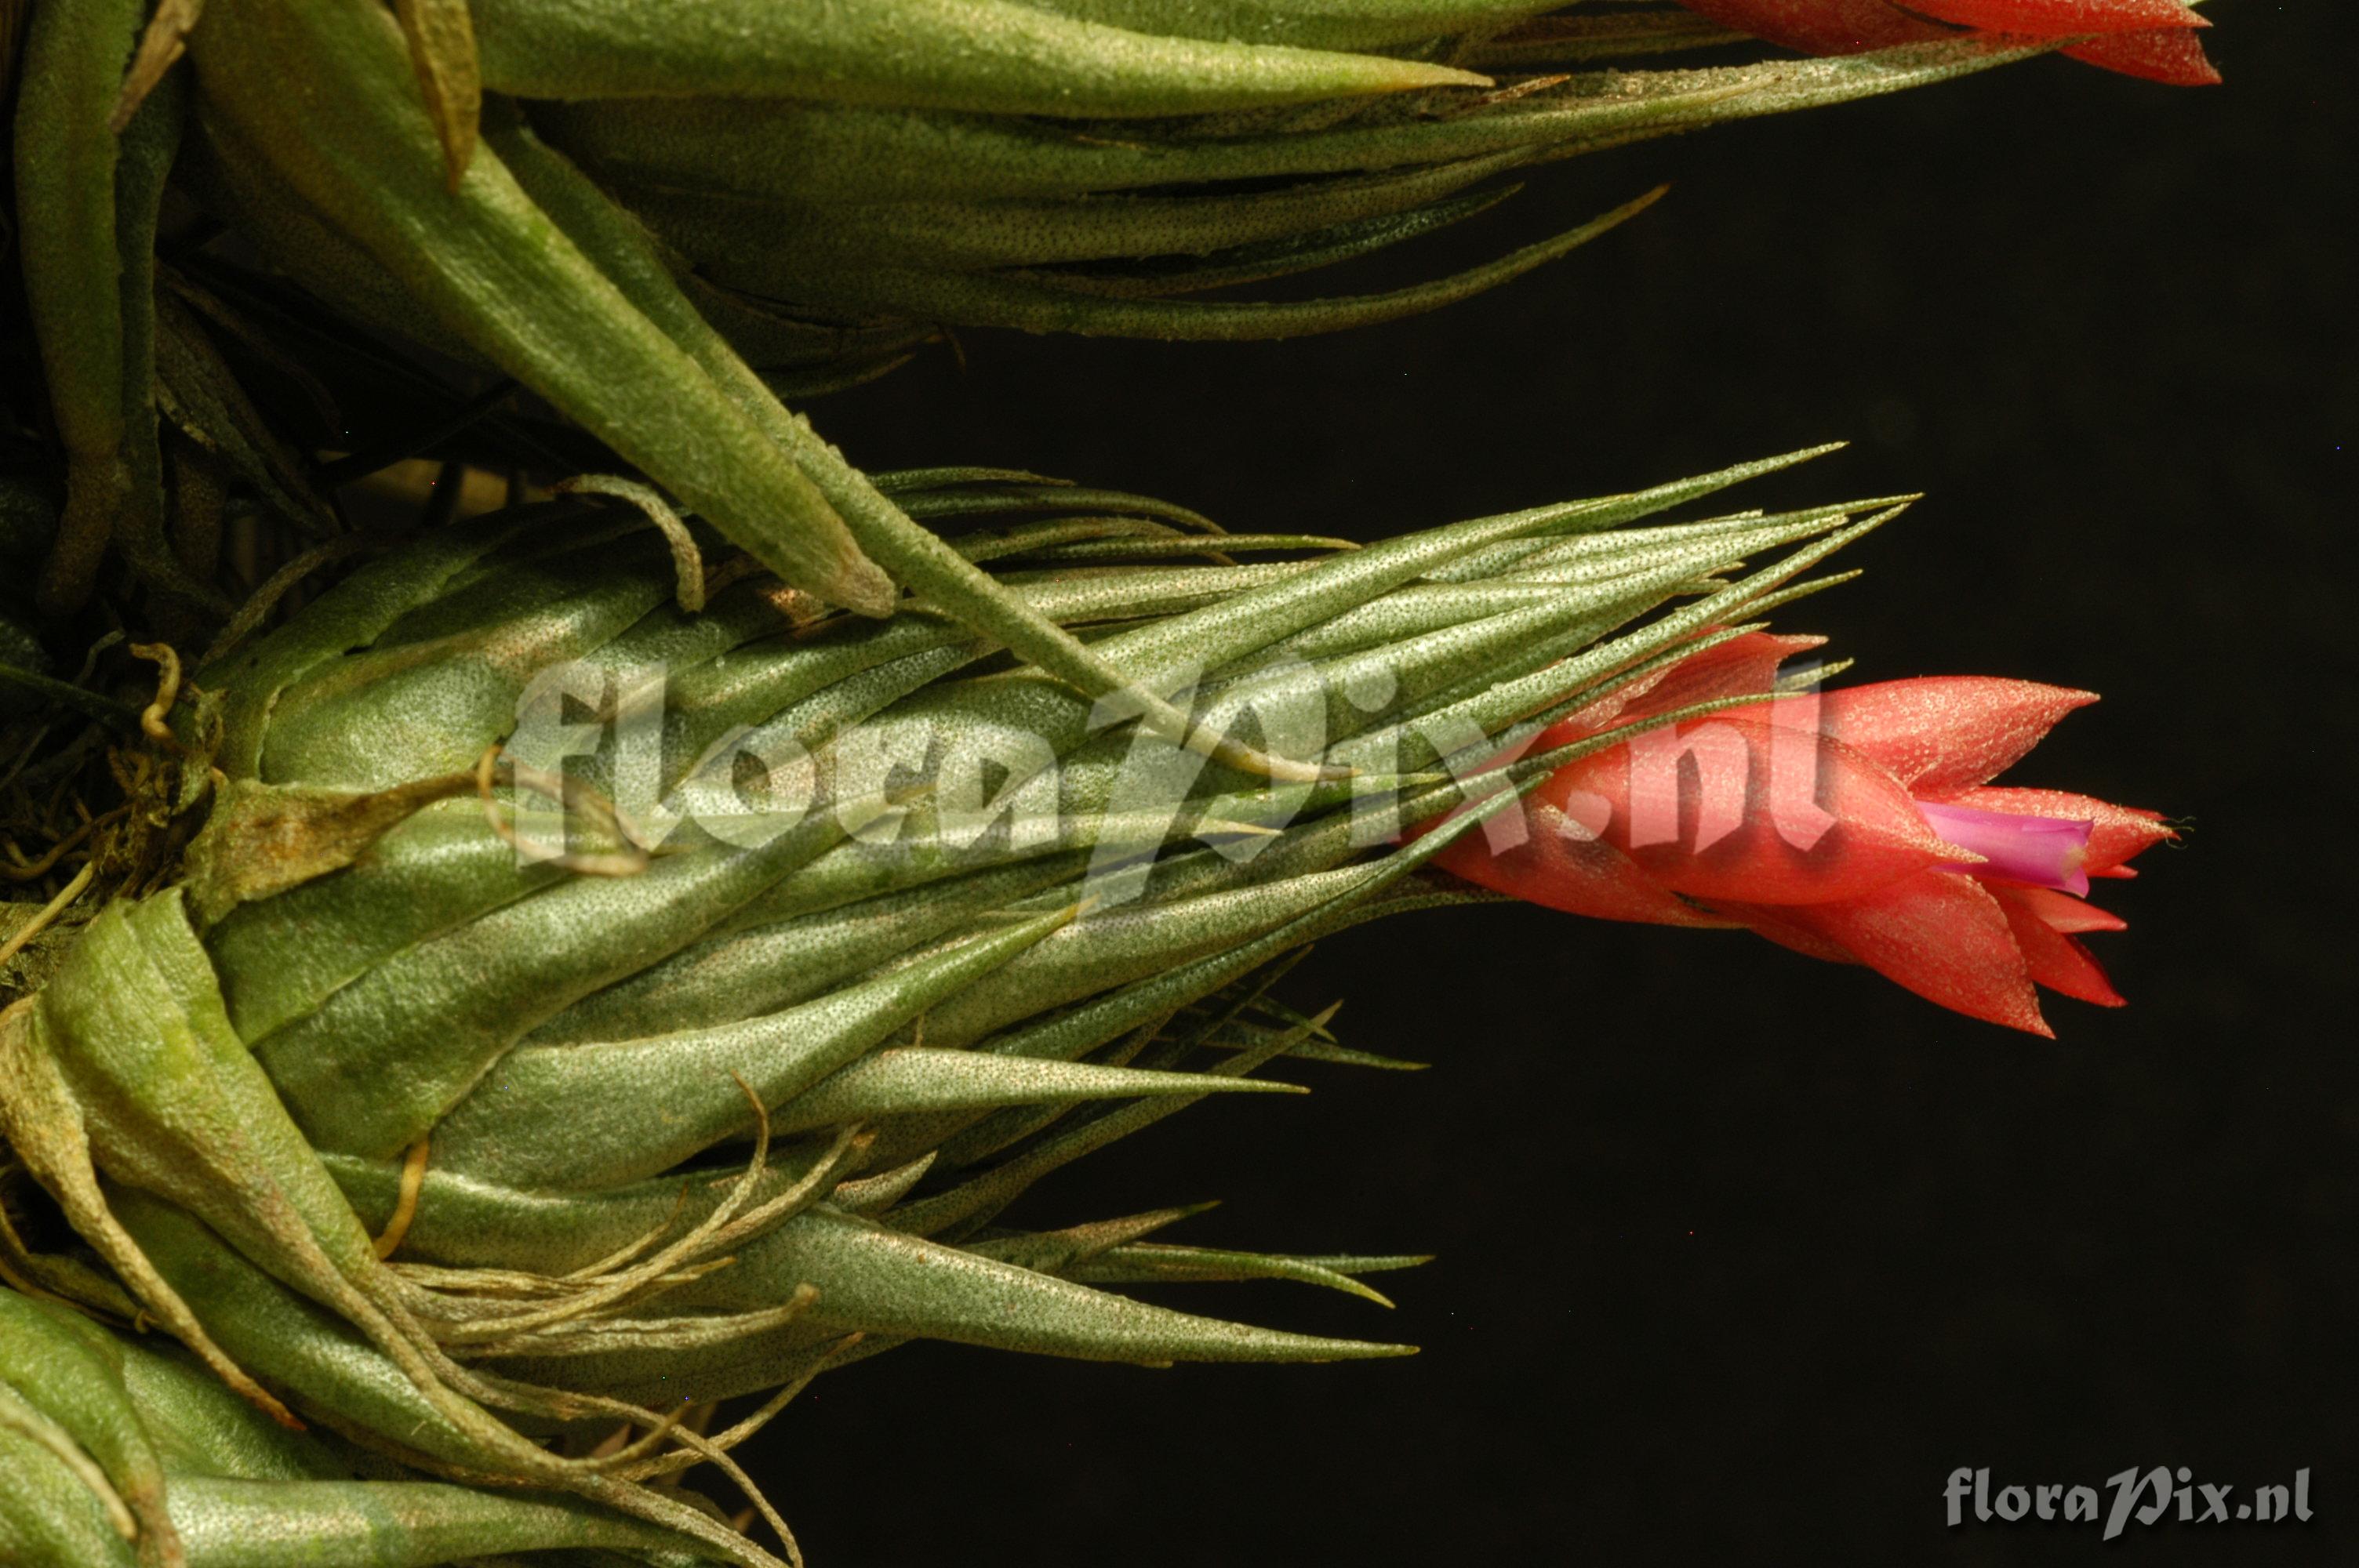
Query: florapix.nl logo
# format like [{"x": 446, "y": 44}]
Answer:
[
  {"x": 2147, "y": 1496},
  {"x": 607, "y": 766}
]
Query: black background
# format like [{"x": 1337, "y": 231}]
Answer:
[{"x": 1737, "y": 1250}]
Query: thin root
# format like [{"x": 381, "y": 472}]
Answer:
[
  {"x": 167, "y": 692},
  {"x": 572, "y": 796},
  {"x": 49, "y": 912},
  {"x": 405, "y": 1209},
  {"x": 687, "y": 560}
]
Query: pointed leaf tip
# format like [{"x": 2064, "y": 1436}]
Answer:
[{"x": 442, "y": 38}]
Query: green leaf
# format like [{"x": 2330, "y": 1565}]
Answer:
[
  {"x": 1323, "y": 24},
  {"x": 1034, "y": 304},
  {"x": 490, "y": 265},
  {"x": 949, "y": 54},
  {"x": 1150, "y": 1263},
  {"x": 881, "y": 1281},
  {"x": 593, "y": 1115},
  {"x": 906, "y": 1082},
  {"x": 397, "y": 1524}
]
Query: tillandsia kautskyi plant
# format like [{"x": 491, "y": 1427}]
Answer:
[
  {"x": 453, "y": 1099},
  {"x": 634, "y": 207}
]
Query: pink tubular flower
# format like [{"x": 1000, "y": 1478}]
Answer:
[
  {"x": 2152, "y": 38},
  {"x": 1858, "y": 826}
]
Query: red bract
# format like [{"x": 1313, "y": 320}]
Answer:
[
  {"x": 2152, "y": 38},
  {"x": 1858, "y": 826}
]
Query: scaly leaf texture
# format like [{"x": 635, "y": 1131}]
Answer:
[
  {"x": 841, "y": 206},
  {"x": 210, "y": 1483},
  {"x": 678, "y": 992},
  {"x": 537, "y": 270},
  {"x": 760, "y": 172}
]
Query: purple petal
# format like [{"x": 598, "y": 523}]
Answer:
[{"x": 2045, "y": 851}]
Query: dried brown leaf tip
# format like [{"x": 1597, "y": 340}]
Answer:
[
  {"x": 160, "y": 47},
  {"x": 442, "y": 38}
]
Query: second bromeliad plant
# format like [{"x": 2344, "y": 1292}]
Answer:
[{"x": 659, "y": 217}]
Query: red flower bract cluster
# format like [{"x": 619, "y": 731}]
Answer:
[
  {"x": 1858, "y": 825},
  {"x": 2152, "y": 38}
]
